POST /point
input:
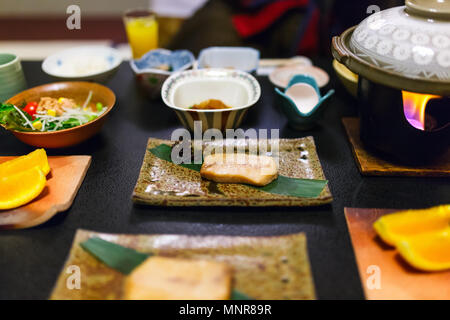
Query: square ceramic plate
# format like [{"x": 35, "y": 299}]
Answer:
[
  {"x": 63, "y": 181},
  {"x": 264, "y": 267},
  {"x": 162, "y": 183},
  {"x": 397, "y": 279}
]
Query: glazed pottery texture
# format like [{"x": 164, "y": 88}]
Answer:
[
  {"x": 12, "y": 79},
  {"x": 77, "y": 91},
  {"x": 407, "y": 44},
  {"x": 166, "y": 184},
  {"x": 406, "y": 47},
  {"x": 260, "y": 264}
]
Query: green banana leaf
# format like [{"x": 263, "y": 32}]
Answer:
[{"x": 305, "y": 188}]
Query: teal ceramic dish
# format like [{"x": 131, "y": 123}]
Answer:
[{"x": 302, "y": 102}]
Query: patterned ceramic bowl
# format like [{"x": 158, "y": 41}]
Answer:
[
  {"x": 237, "y": 89},
  {"x": 157, "y": 65}
]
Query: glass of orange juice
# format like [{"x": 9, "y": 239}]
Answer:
[{"x": 142, "y": 31}]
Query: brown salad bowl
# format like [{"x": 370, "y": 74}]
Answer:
[{"x": 78, "y": 91}]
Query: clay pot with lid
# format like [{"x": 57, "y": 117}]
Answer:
[{"x": 400, "y": 49}]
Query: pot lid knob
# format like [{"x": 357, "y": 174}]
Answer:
[{"x": 431, "y": 9}]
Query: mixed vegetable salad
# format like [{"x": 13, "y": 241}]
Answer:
[{"x": 49, "y": 114}]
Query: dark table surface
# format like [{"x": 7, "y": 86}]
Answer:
[{"x": 31, "y": 259}]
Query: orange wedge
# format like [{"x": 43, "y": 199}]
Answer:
[
  {"x": 428, "y": 252},
  {"x": 20, "y": 188},
  {"x": 395, "y": 227},
  {"x": 36, "y": 158}
]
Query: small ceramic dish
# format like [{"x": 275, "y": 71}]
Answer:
[
  {"x": 162, "y": 183},
  {"x": 74, "y": 90},
  {"x": 239, "y": 58},
  {"x": 235, "y": 88},
  {"x": 254, "y": 261},
  {"x": 157, "y": 65},
  {"x": 86, "y": 63},
  {"x": 348, "y": 79},
  {"x": 267, "y": 66},
  {"x": 302, "y": 102},
  {"x": 283, "y": 62},
  {"x": 280, "y": 77}
]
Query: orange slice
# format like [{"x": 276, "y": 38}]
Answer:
[
  {"x": 398, "y": 226},
  {"x": 36, "y": 158},
  {"x": 428, "y": 252},
  {"x": 20, "y": 188}
]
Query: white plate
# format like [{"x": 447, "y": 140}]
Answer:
[
  {"x": 240, "y": 58},
  {"x": 280, "y": 77}
]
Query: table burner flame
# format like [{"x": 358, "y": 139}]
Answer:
[{"x": 414, "y": 105}]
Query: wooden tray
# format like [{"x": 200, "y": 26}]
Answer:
[
  {"x": 370, "y": 165},
  {"x": 398, "y": 280},
  {"x": 299, "y": 160},
  {"x": 264, "y": 267},
  {"x": 63, "y": 182}
]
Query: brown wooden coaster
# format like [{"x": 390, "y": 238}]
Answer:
[
  {"x": 371, "y": 165},
  {"x": 383, "y": 272}
]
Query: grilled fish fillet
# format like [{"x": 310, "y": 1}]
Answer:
[
  {"x": 164, "y": 278},
  {"x": 239, "y": 168}
]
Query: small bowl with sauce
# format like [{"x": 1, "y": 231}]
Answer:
[{"x": 215, "y": 98}]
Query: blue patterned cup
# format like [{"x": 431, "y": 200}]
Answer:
[{"x": 12, "y": 80}]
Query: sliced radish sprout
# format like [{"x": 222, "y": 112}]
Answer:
[{"x": 28, "y": 122}]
